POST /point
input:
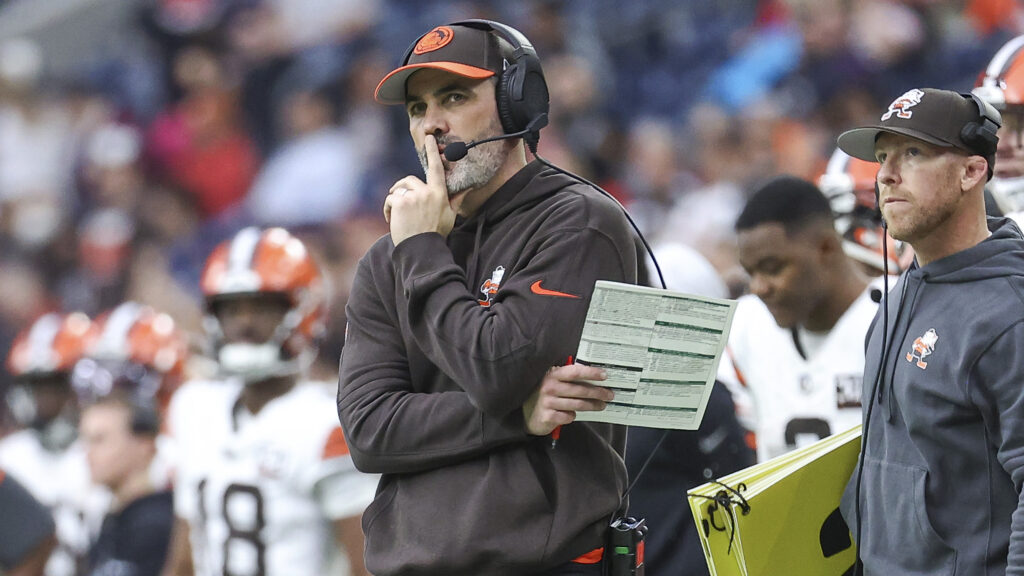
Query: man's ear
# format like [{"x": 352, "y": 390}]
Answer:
[
  {"x": 827, "y": 241},
  {"x": 975, "y": 172},
  {"x": 832, "y": 245}
]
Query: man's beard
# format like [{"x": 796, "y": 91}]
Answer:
[{"x": 479, "y": 166}]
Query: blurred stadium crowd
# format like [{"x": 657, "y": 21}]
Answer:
[{"x": 135, "y": 135}]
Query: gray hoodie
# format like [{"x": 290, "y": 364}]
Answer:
[
  {"x": 944, "y": 461},
  {"x": 446, "y": 340}
]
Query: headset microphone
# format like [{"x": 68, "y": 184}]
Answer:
[{"x": 457, "y": 150}]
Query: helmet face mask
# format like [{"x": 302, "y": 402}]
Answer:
[
  {"x": 253, "y": 329},
  {"x": 41, "y": 398},
  {"x": 849, "y": 185},
  {"x": 41, "y": 360},
  {"x": 1008, "y": 193},
  {"x": 45, "y": 403},
  {"x": 253, "y": 362},
  {"x": 265, "y": 305}
]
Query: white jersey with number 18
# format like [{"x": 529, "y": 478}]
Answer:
[{"x": 259, "y": 490}]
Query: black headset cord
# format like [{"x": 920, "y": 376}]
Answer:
[
  {"x": 661, "y": 278},
  {"x": 858, "y": 569}
]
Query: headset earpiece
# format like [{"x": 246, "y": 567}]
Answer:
[
  {"x": 145, "y": 421},
  {"x": 982, "y": 134},
  {"x": 521, "y": 93},
  {"x": 505, "y": 112}
]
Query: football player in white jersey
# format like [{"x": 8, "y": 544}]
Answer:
[
  {"x": 44, "y": 455},
  {"x": 264, "y": 484},
  {"x": 795, "y": 355}
]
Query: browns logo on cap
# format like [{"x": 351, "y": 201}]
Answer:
[
  {"x": 459, "y": 49},
  {"x": 937, "y": 117},
  {"x": 435, "y": 39}
]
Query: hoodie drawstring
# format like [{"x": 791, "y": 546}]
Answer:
[
  {"x": 475, "y": 262},
  {"x": 897, "y": 343}
]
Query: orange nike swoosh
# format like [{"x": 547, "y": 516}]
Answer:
[{"x": 537, "y": 289}]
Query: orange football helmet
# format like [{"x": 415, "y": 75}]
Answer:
[
  {"x": 41, "y": 360},
  {"x": 849, "y": 185},
  {"x": 50, "y": 345},
  {"x": 270, "y": 263},
  {"x": 1001, "y": 84},
  {"x": 136, "y": 349}
]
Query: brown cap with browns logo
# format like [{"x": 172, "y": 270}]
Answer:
[
  {"x": 469, "y": 52},
  {"x": 934, "y": 116}
]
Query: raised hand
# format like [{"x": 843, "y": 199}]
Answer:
[{"x": 414, "y": 207}]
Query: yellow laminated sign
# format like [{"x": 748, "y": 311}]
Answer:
[{"x": 780, "y": 517}]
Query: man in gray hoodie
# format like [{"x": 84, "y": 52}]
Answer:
[{"x": 938, "y": 486}]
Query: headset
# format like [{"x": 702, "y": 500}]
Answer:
[
  {"x": 145, "y": 420},
  {"x": 981, "y": 135},
  {"x": 522, "y": 92}
]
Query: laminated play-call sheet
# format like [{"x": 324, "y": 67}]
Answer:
[{"x": 660, "y": 350}]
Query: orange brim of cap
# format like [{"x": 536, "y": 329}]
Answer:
[{"x": 391, "y": 89}]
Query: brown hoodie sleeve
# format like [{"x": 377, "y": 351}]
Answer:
[
  {"x": 377, "y": 404},
  {"x": 499, "y": 354},
  {"x": 423, "y": 355}
]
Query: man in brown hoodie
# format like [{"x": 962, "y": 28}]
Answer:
[{"x": 456, "y": 318}]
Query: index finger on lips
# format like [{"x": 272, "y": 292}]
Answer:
[{"x": 435, "y": 168}]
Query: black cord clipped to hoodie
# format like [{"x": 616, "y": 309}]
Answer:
[
  {"x": 474, "y": 264},
  {"x": 877, "y": 390},
  {"x": 858, "y": 569},
  {"x": 623, "y": 500}
]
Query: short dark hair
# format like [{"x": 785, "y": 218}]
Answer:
[{"x": 787, "y": 200}]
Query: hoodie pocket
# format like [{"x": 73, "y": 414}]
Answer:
[
  {"x": 897, "y": 536},
  {"x": 385, "y": 494}
]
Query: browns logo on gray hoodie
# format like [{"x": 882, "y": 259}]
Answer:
[{"x": 446, "y": 339}]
